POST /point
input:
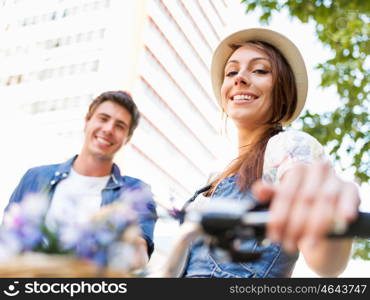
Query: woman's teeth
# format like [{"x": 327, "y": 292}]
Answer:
[{"x": 244, "y": 97}]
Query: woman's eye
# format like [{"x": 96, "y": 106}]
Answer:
[
  {"x": 260, "y": 71},
  {"x": 231, "y": 73}
]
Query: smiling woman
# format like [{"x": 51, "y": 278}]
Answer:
[
  {"x": 258, "y": 92},
  {"x": 260, "y": 82}
]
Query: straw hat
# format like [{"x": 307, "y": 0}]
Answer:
[{"x": 280, "y": 42}]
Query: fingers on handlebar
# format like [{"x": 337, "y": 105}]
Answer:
[
  {"x": 349, "y": 201},
  {"x": 307, "y": 200},
  {"x": 263, "y": 191},
  {"x": 282, "y": 204}
]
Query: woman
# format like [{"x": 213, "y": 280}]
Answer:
[{"x": 260, "y": 83}]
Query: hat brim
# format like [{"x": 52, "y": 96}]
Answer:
[{"x": 282, "y": 43}]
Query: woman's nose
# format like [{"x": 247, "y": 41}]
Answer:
[{"x": 241, "y": 78}]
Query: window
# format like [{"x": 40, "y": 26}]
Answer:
[
  {"x": 58, "y": 71},
  {"x": 58, "y": 104},
  {"x": 63, "y": 13}
]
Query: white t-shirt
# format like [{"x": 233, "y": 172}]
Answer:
[{"x": 75, "y": 199}]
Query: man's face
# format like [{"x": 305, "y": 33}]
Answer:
[{"x": 106, "y": 130}]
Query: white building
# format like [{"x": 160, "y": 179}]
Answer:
[{"x": 58, "y": 55}]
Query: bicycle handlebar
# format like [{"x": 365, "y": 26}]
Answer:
[
  {"x": 227, "y": 220},
  {"x": 212, "y": 223}
]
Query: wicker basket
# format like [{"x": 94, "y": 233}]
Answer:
[{"x": 45, "y": 265}]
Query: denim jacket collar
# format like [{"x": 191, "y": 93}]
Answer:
[{"x": 115, "y": 180}]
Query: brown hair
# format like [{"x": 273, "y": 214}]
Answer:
[
  {"x": 249, "y": 165},
  {"x": 123, "y": 99}
]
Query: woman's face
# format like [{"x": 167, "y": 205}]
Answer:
[{"x": 247, "y": 87}]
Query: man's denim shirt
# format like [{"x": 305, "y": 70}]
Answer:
[
  {"x": 274, "y": 262},
  {"x": 46, "y": 178}
]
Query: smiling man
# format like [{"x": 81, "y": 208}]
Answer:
[{"x": 79, "y": 187}]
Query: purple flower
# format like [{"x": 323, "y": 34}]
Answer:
[{"x": 99, "y": 239}]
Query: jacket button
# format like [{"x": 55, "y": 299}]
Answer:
[
  {"x": 57, "y": 173},
  {"x": 52, "y": 182},
  {"x": 64, "y": 175}
]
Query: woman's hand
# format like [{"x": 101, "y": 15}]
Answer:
[{"x": 306, "y": 203}]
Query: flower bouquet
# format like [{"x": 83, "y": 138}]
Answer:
[{"x": 104, "y": 246}]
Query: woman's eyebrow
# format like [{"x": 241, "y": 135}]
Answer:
[{"x": 252, "y": 60}]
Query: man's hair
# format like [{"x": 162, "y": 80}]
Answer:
[{"x": 123, "y": 99}]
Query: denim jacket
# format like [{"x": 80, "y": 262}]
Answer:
[
  {"x": 274, "y": 262},
  {"x": 46, "y": 178}
]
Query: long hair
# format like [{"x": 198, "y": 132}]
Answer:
[{"x": 249, "y": 165}]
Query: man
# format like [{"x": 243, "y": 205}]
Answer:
[{"x": 77, "y": 188}]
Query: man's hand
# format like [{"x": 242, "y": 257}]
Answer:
[{"x": 140, "y": 258}]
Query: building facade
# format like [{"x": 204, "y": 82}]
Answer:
[{"x": 58, "y": 55}]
